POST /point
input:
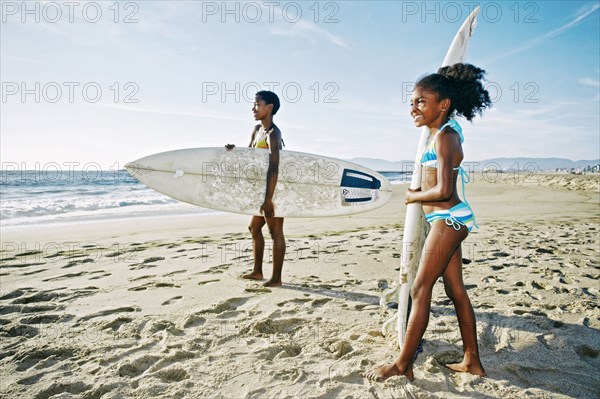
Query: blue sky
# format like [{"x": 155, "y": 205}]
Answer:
[{"x": 118, "y": 81}]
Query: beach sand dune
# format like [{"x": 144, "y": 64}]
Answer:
[{"x": 155, "y": 307}]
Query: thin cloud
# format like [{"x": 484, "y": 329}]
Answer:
[
  {"x": 553, "y": 33},
  {"x": 589, "y": 82},
  {"x": 8, "y": 57},
  {"x": 306, "y": 29},
  {"x": 171, "y": 111}
]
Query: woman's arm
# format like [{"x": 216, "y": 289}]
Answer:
[
  {"x": 253, "y": 135},
  {"x": 273, "y": 139}
]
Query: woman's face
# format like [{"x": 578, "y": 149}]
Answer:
[
  {"x": 426, "y": 110},
  {"x": 260, "y": 108}
]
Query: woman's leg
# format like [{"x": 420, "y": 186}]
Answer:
[
  {"x": 258, "y": 247},
  {"x": 456, "y": 291},
  {"x": 276, "y": 230},
  {"x": 440, "y": 244}
]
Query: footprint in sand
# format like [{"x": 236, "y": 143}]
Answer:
[
  {"x": 42, "y": 358},
  {"x": 193, "y": 320},
  {"x": 152, "y": 285},
  {"x": 77, "y": 389},
  {"x": 116, "y": 324},
  {"x": 137, "y": 366},
  {"x": 108, "y": 312},
  {"x": 170, "y": 375},
  {"x": 155, "y": 326},
  {"x": 22, "y": 265},
  {"x": 587, "y": 353},
  {"x": 39, "y": 296},
  {"x": 258, "y": 290},
  {"x": 173, "y": 300},
  {"x": 208, "y": 281},
  {"x": 146, "y": 263},
  {"x": 46, "y": 319},
  {"x": 16, "y": 293},
  {"x": 78, "y": 262},
  {"x": 340, "y": 348},
  {"x": 64, "y": 276},
  {"x": 294, "y": 301},
  {"x": 18, "y": 330},
  {"x": 320, "y": 302},
  {"x": 147, "y": 276},
  {"x": 174, "y": 273},
  {"x": 279, "y": 352},
  {"x": 280, "y": 326},
  {"x": 216, "y": 269},
  {"x": 31, "y": 379},
  {"x": 31, "y": 272},
  {"x": 230, "y": 304},
  {"x": 104, "y": 274}
]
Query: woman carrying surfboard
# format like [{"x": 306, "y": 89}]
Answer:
[
  {"x": 437, "y": 98},
  {"x": 267, "y": 135}
]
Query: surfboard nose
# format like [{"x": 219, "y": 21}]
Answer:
[
  {"x": 136, "y": 169},
  {"x": 131, "y": 167}
]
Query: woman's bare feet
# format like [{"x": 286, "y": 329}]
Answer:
[
  {"x": 382, "y": 373},
  {"x": 253, "y": 276},
  {"x": 273, "y": 283},
  {"x": 464, "y": 367}
]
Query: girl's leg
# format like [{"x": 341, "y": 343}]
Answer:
[
  {"x": 440, "y": 244},
  {"x": 276, "y": 230},
  {"x": 258, "y": 246},
  {"x": 456, "y": 291}
]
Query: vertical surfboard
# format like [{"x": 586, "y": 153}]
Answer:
[{"x": 415, "y": 226}]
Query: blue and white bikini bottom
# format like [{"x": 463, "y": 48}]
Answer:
[{"x": 459, "y": 215}]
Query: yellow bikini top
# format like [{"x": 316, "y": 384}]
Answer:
[{"x": 259, "y": 137}]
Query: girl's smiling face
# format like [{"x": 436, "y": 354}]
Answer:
[{"x": 426, "y": 110}]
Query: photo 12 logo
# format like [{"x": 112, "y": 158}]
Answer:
[
  {"x": 54, "y": 92},
  {"x": 453, "y": 11},
  {"x": 516, "y": 92},
  {"x": 53, "y": 12},
  {"x": 290, "y": 92},
  {"x": 64, "y": 172},
  {"x": 269, "y": 11}
]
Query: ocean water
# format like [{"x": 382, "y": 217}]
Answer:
[{"x": 39, "y": 197}]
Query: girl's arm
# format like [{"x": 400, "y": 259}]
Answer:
[{"x": 446, "y": 147}]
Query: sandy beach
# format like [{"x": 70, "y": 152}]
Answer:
[{"x": 155, "y": 307}]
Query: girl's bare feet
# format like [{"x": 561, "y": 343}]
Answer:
[
  {"x": 253, "y": 276},
  {"x": 464, "y": 367},
  {"x": 382, "y": 373}
]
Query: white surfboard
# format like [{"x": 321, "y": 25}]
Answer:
[
  {"x": 415, "y": 226},
  {"x": 308, "y": 185}
]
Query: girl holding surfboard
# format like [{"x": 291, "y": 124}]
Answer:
[
  {"x": 437, "y": 98},
  {"x": 267, "y": 135}
]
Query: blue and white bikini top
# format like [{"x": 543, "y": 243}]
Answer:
[{"x": 429, "y": 157}]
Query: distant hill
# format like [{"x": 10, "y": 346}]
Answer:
[
  {"x": 532, "y": 164},
  {"x": 540, "y": 163},
  {"x": 383, "y": 165}
]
